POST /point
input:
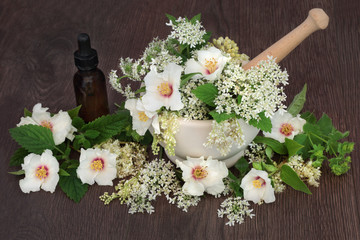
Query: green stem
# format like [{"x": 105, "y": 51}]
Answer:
[
  {"x": 58, "y": 149},
  {"x": 188, "y": 51},
  {"x": 319, "y": 137},
  {"x": 161, "y": 152}
]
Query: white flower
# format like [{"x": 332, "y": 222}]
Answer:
[
  {"x": 210, "y": 63},
  {"x": 41, "y": 171},
  {"x": 142, "y": 118},
  {"x": 59, "y": 124},
  {"x": 202, "y": 175},
  {"x": 284, "y": 125},
  {"x": 97, "y": 165},
  {"x": 257, "y": 186},
  {"x": 162, "y": 89}
]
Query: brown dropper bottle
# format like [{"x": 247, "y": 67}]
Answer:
[{"x": 89, "y": 82}]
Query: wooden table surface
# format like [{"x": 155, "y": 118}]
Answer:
[{"x": 37, "y": 41}]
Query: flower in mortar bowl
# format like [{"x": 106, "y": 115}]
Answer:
[
  {"x": 59, "y": 124},
  {"x": 98, "y": 166},
  {"x": 41, "y": 171},
  {"x": 285, "y": 125},
  {"x": 142, "y": 118},
  {"x": 203, "y": 175},
  {"x": 210, "y": 64},
  {"x": 162, "y": 89},
  {"x": 257, "y": 187}
]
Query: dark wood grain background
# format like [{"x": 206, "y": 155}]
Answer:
[{"x": 37, "y": 41}]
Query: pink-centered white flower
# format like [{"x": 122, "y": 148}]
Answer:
[
  {"x": 59, "y": 124},
  {"x": 202, "y": 175},
  {"x": 257, "y": 187},
  {"x": 97, "y": 165},
  {"x": 162, "y": 89},
  {"x": 142, "y": 118},
  {"x": 284, "y": 125},
  {"x": 210, "y": 64},
  {"x": 41, "y": 171}
]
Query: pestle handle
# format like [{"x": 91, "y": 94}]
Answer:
[{"x": 316, "y": 20}]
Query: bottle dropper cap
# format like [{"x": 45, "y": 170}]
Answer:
[{"x": 85, "y": 58}]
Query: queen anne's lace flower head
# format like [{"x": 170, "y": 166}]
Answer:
[
  {"x": 59, "y": 124},
  {"x": 284, "y": 125},
  {"x": 41, "y": 171},
  {"x": 257, "y": 186},
  {"x": 97, "y": 166},
  {"x": 203, "y": 175}
]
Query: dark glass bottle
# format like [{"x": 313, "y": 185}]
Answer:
[{"x": 89, "y": 82}]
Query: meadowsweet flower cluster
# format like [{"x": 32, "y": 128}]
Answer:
[
  {"x": 235, "y": 209},
  {"x": 305, "y": 170}
]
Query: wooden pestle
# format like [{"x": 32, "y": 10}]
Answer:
[{"x": 316, "y": 20}]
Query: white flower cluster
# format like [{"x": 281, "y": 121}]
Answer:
[
  {"x": 255, "y": 152},
  {"x": 279, "y": 185},
  {"x": 235, "y": 209},
  {"x": 260, "y": 90},
  {"x": 223, "y": 135},
  {"x": 182, "y": 200},
  {"x": 186, "y": 32},
  {"x": 305, "y": 170},
  {"x": 116, "y": 84}
]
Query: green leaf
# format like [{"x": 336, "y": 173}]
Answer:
[
  {"x": 269, "y": 152},
  {"x": 108, "y": 126},
  {"x": 27, "y": 113},
  {"x": 33, "y": 138},
  {"x": 263, "y": 124},
  {"x": 63, "y": 173},
  {"x": 239, "y": 98},
  {"x": 78, "y": 122},
  {"x": 303, "y": 140},
  {"x": 290, "y": 177},
  {"x": 92, "y": 134},
  {"x": 186, "y": 77},
  {"x": 275, "y": 145},
  {"x": 72, "y": 186},
  {"x": 206, "y": 93},
  {"x": 207, "y": 37},
  {"x": 74, "y": 112},
  {"x": 242, "y": 165},
  {"x": 298, "y": 103},
  {"x": 196, "y": 18},
  {"x": 325, "y": 124},
  {"x": 18, "y": 157},
  {"x": 171, "y": 18},
  {"x": 237, "y": 190},
  {"x": 269, "y": 167},
  {"x": 20, "y": 172},
  {"x": 140, "y": 90},
  {"x": 219, "y": 117},
  {"x": 233, "y": 177},
  {"x": 257, "y": 165},
  {"x": 309, "y": 117},
  {"x": 292, "y": 146}
]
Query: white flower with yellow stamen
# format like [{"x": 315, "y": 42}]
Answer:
[
  {"x": 210, "y": 64},
  {"x": 98, "y": 166},
  {"x": 59, "y": 124},
  {"x": 257, "y": 186},
  {"x": 162, "y": 89},
  {"x": 142, "y": 118},
  {"x": 284, "y": 125},
  {"x": 41, "y": 171},
  {"x": 203, "y": 175}
]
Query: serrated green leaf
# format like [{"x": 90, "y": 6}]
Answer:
[
  {"x": 275, "y": 145},
  {"x": 33, "y": 138},
  {"x": 196, "y": 18},
  {"x": 257, "y": 165},
  {"x": 298, "y": 103},
  {"x": 309, "y": 117},
  {"x": 292, "y": 146},
  {"x": 18, "y": 157},
  {"x": 264, "y": 124},
  {"x": 242, "y": 165},
  {"x": 78, "y": 122},
  {"x": 304, "y": 141},
  {"x": 63, "y": 173},
  {"x": 219, "y": 117},
  {"x": 20, "y": 172},
  {"x": 74, "y": 112},
  {"x": 92, "y": 134},
  {"x": 27, "y": 113},
  {"x": 186, "y": 77},
  {"x": 206, "y": 93},
  {"x": 72, "y": 186},
  {"x": 236, "y": 188},
  {"x": 290, "y": 177},
  {"x": 325, "y": 124}
]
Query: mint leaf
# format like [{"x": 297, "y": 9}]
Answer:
[
  {"x": 72, "y": 186},
  {"x": 298, "y": 103},
  {"x": 74, "y": 112},
  {"x": 185, "y": 78},
  {"x": 20, "y": 172},
  {"x": 18, "y": 157},
  {"x": 206, "y": 93},
  {"x": 263, "y": 124},
  {"x": 78, "y": 122},
  {"x": 219, "y": 117},
  {"x": 64, "y": 173},
  {"x": 27, "y": 113},
  {"x": 92, "y": 134},
  {"x": 275, "y": 145},
  {"x": 290, "y": 177},
  {"x": 33, "y": 138},
  {"x": 292, "y": 146},
  {"x": 242, "y": 165}
]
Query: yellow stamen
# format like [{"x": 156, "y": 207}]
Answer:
[
  {"x": 41, "y": 172},
  {"x": 97, "y": 165},
  {"x": 165, "y": 89},
  {"x": 257, "y": 183},
  {"x": 46, "y": 124},
  {"x": 199, "y": 172},
  {"x": 143, "y": 117},
  {"x": 286, "y": 129},
  {"x": 211, "y": 65}
]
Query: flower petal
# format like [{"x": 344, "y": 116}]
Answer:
[{"x": 193, "y": 188}]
